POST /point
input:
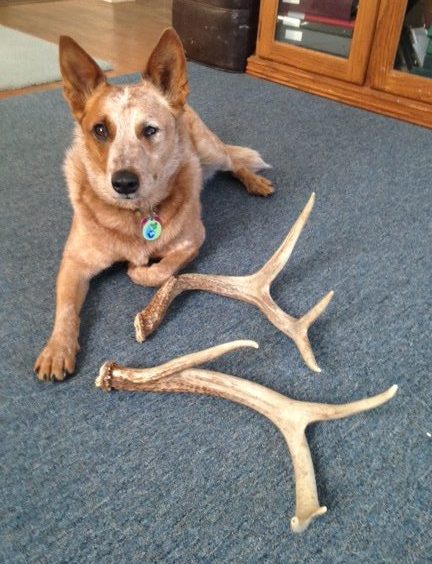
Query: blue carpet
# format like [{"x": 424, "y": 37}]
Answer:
[{"x": 94, "y": 477}]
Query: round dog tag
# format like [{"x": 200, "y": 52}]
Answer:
[{"x": 151, "y": 228}]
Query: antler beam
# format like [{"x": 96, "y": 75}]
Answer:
[
  {"x": 253, "y": 289},
  {"x": 291, "y": 417}
]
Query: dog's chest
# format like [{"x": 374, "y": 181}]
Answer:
[{"x": 138, "y": 249}]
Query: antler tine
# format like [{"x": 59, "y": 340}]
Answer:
[
  {"x": 279, "y": 259},
  {"x": 304, "y": 347},
  {"x": 301, "y": 327},
  {"x": 290, "y": 416},
  {"x": 327, "y": 412},
  {"x": 155, "y": 373},
  {"x": 312, "y": 315}
]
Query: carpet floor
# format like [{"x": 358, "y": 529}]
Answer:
[
  {"x": 94, "y": 477},
  {"x": 26, "y": 60}
]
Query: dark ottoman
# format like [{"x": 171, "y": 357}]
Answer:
[{"x": 220, "y": 33}]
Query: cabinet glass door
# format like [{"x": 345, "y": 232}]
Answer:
[
  {"x": 414, "y": 53},
  {"x": 332, "y": 37},
  {"x": 401, "y": 60},
  {"x": 322, "y": 25}
]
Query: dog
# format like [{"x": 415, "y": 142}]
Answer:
[{"x": 134, "y": 173}]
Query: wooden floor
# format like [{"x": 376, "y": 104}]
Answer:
[{"x": 123, "y": 34}]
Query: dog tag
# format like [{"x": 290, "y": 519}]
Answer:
[{"x": 151, "y": 228}]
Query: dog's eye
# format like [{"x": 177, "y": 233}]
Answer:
[
  {"x": 100, "y": 131},
  {"x": 149, "y": 131}
]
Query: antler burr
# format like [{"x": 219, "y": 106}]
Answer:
[
  {"x": 253, "y": 289},
  {"x": 290, "y": 416}
]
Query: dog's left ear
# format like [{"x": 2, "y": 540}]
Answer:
[{"x": 166, "y": 68}]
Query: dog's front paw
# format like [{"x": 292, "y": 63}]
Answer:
[
  {"x": 57, "y": 360},
  {"x": 151, "y": 276},
  {"x": 259, "y": 185}
]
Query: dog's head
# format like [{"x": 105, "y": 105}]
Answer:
[{"x": 129, "y": 133}]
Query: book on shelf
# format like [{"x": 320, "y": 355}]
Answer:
[
  {"x": 303, "y": 21},
  {"x": 400, "y": 63},
  {"x": 420, "y": 41},
  {"x": 415, "y": 51},
  {"x": 406, "y": 45},
  {"x": 427, "y": 63},
  {"x": 337, "y": 9},
  {"x": 311, "y": 39}
]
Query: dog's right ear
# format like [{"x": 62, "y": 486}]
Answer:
[{"x": 81, "y": 75}]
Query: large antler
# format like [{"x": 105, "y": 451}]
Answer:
[
  {"x": 253, "y": 289},
  {"x": 290, "y": 416}
]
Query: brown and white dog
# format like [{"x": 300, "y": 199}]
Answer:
[{"x": 136, "y": 149}]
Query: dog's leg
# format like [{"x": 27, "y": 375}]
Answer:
[
  {"x": 57, "y": 359},
  {"x": 159, "y": 272},
  {"x": 242, "y": 162}
]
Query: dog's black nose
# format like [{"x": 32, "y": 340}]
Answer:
[{"x": 125, "y": 182}]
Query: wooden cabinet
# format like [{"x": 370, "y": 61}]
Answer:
[{"x": 361, "y": 69}]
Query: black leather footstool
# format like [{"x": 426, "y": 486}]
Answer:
[{"x": 220, "y": 33}]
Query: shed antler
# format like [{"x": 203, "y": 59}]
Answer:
[
  {"x": 290, "y": 416},
  {"x": 253, "y": 289}
]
